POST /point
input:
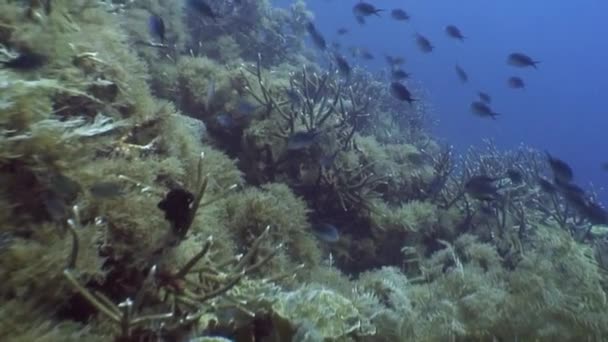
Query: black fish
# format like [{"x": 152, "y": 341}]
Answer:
[
  {"x": 482, "y": 188},
  {"x": 399, "y": 75},
  {"x": 26, "y": 61},
  {"x": 342, "y": 31},
  {"x": 483, "y": 110},
  {"x": 343, "y": 66},
  {"x": 484, "y": 97},
  {"x": 562, "y": 172},
  {"x": 316, "y": 36},
  {"x": 454, "y": 32},
  {"x": 326, "y": 232},
  {"x": 302, "y": 140},
  {"x": 521, "y": 60},
  {"x": 462, "y": 75},
  {"x": 399, "y": 14},
  {"x": 156, "y": 26},
  {"x": 423, "y": 43},
  {"x": 176, "y": 206},
  {"x": 364, "y": 9},
  {"x": 203, "y": 8},
  {"x": 365, "y": 54},
  {"x": 515, "y": 82},
  {"x": 399, "y": 91},
  {"x": 515, "y": 176}
]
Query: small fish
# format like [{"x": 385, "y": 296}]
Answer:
[
  {"x": 203, "y": 8},
  {"x": 484, "y": 97},
  {"x": 302, "y": 140},
  {"x": 176, "y": 206},
  {"x": 364, "y": 9},
  {"x": 335, "y": 45},
  {"x": 360, "y": 19},
  {"x": 462, "y": 75},
  {"x": 399, "y": 91},
  {"x": 482, "y": 188},
  {"x": 515, "y": 176},
  {"x": 604, "y": 166},
  {"x": 342, "y": 31},
  {"x": 400, "y": 15},
  {"x": 326, "y": 232},
  {"x": 106, "y": 190},
  {"x": 365, "y": 54},
  {"x": 454, "y": 32},
  {"x": 26, "y": 61},
  {"x": 399, "y": 75},
  {"x": 515, "y": 82},
  {"x": 423, "y": 43},
  {"x": 316, "y": 36},
  {"x": 63, "y": 186},
  {"x": 521, "y": 60},
  {"x": 481, "y": 109},
  {"x": 562, "y": 172},
  {"x": 343, "y": 66},
  {"x": 156, "y": 26}
]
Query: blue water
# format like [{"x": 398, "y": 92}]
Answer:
[{"x": 562, "y": 109}]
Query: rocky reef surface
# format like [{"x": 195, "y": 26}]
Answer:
[{"x": 220, "y": 184}]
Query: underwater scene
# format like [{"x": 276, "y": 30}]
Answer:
[{"x": 307, "y": 171}]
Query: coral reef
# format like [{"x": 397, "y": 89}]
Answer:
[{"x": 170, "y": 191}]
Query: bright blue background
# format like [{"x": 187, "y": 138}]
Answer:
[{"x": 562, "y": 109}]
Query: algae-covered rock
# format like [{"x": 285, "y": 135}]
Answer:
[{"x": 332, "y": 315}]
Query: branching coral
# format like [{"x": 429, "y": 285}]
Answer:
[{"x": 187, "y": 300}]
